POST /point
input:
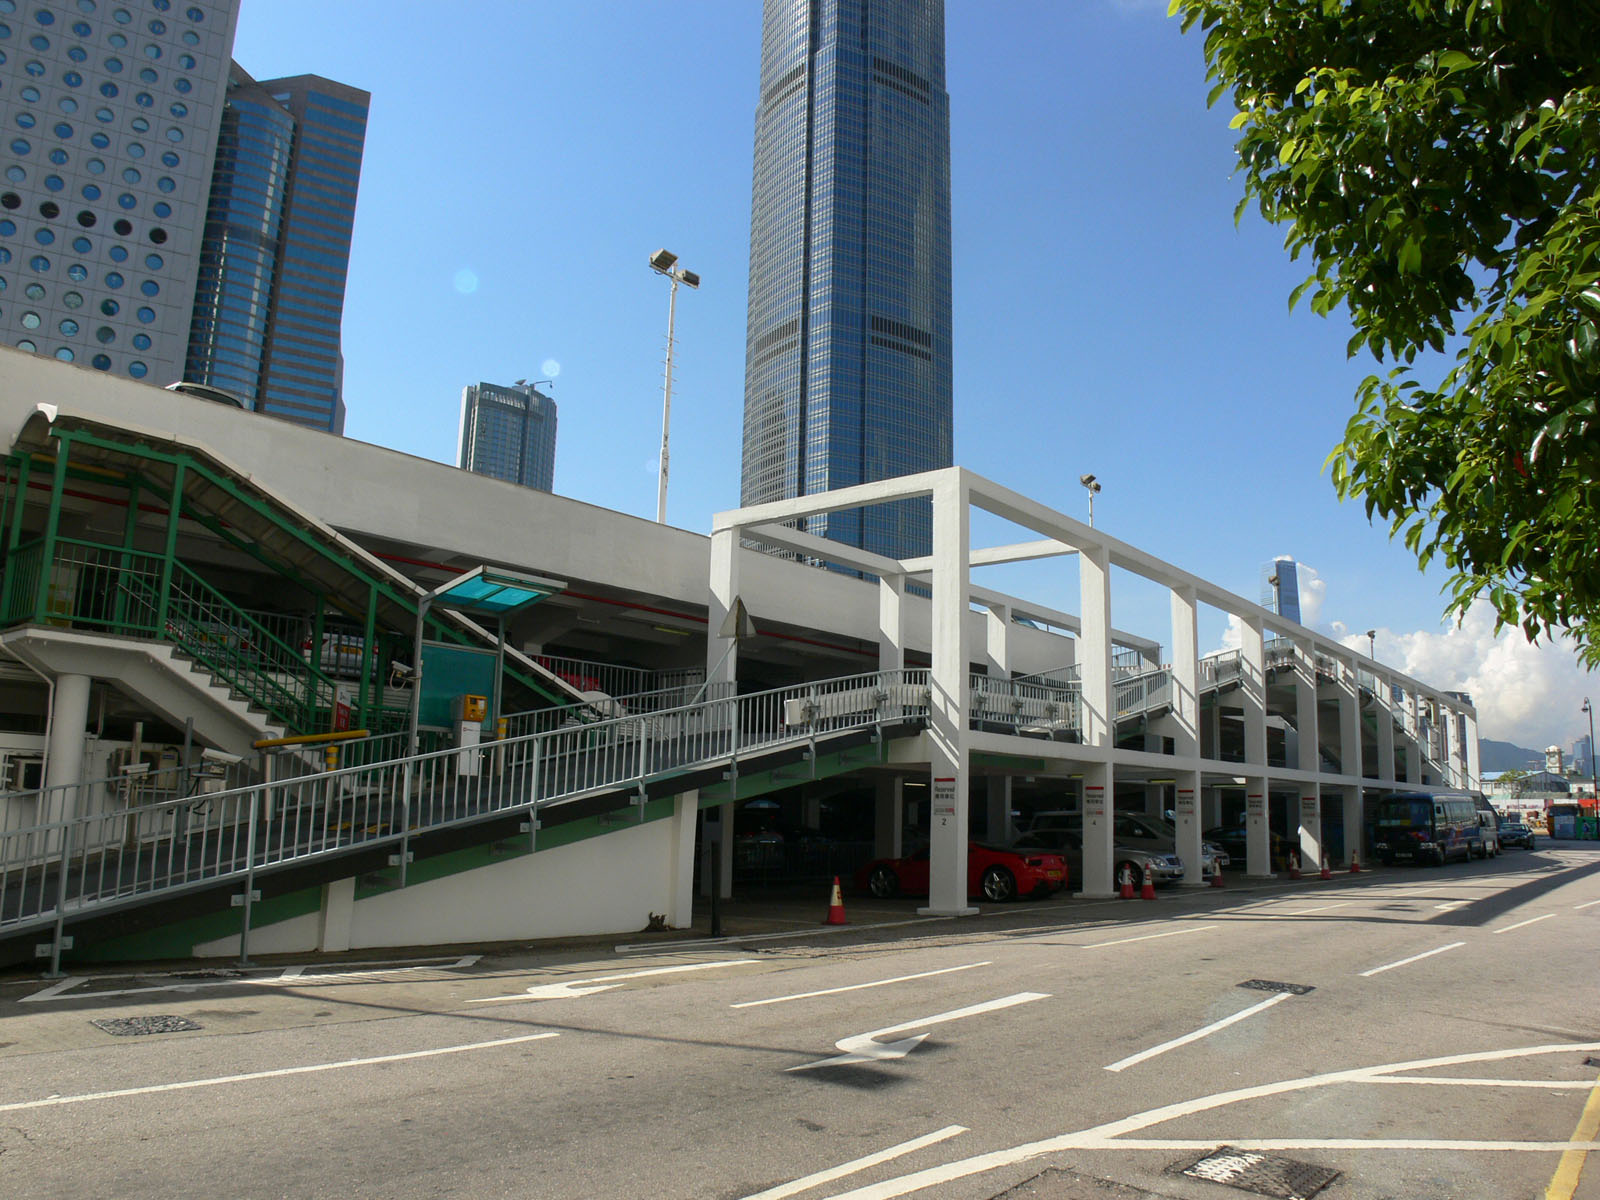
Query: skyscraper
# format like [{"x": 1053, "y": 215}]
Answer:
[
  {"x": 1280, "y": 587},
  {"x": 847, "y": 358},
  {"x": 111, "y": 123},
  {"x": 276, "y": 252},
  {"x": 510, "y": 433}
]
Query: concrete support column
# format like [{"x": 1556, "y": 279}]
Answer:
[
  {"x": 1099, "y": 781},
  {"x": 811, "y": 811},
  {"x": 69, "y": 723},
  {"x": 1098, "y": 709},
  {"x": 1187, "y": 818},
  {"x": 1458, "y": 747},
  {"x": 1412, "y": 748},
  {"x": 1305, "y": 706},
  {"x": 722, "y": 653},
  {"x": 1383, "y": 711},
  {"x": 1474, "y": 765},
  {"x": 1257, "y": 843},
  {"x": 1310, "y": 827},
  {"x": 718, "y": 829},
  {"x": 891, "y": 623},
  {"x": 997, "y": 641},
  {"x": 1355, "y": 825},
  {"x": 951, "y": 685},
  {"x": 685, "y": 822},
  {"x": 1154, "y": 794},
  {"x": 338, "y": 909},
  {"x": 1253, "y": 692},
  {"x": 888, "y": 818},
  {"x": 998, "y": 824},
  {"x": 1349, "y": 690}
]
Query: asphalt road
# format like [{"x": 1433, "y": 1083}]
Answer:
[{"x": 1440, "y": 1039}]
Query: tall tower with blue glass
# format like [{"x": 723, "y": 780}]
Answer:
[
  {"x": 509, "y": 433},
  {"x": 276, "y": 252},
  {"x": 847, "y": 359}
]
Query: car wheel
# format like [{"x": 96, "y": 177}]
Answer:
[
  {"x": 999, "y": 885},
  {"x": 883, "y": 883}
]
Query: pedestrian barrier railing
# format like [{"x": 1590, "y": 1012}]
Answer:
[
  {"x": 1026, "y": 707},
  {"x": 58, "y": 868}
]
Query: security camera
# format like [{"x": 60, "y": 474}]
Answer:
[
  {"x": 136, "y": 768},
  {"x": 220, "y": 756}
]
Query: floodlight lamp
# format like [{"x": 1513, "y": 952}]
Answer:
[
  {"x": 663, "y": 260},
  {"x": 689, "y": 278},
  {"x": 1086, "y": 480},
  {"x": 1372, "y": 633}
]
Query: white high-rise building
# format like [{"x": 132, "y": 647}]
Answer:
[{"x": 110, "y": 111}]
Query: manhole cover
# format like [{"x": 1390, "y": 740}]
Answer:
[
  {"x": 1263, "y": 1174},
  {"x": 139, "y": 1026},
  {"x": 1272, "y": 985}
]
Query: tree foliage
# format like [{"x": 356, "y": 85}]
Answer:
[{"x": 1439, "y": 163}]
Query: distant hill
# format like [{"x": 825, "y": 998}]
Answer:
[{"x": 1507, "y": 756}]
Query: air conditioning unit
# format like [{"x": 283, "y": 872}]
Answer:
[{"x": 21, "y": 770}]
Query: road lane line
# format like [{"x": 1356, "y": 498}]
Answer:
[
  {"x": 1271, "y": 1144},
  {"x": 1109, "y": 1136},
  {"x": 857, "y": 1164},
  {"x": 1586, "y": 904},
  {"x": 1451, "y": 1081},
  {"x": 1302, "y": 912},
  {"x": 279, "y": 1072},
  {"x": 1520, "y": 924},
  {"x": 864, "y": 1047},
  {"x": 1407, "y": 961},
  {"x": 1135, "y": 1059},
  {"x": 1565, "y": 1181},
  {"x": 572, "y": 988},
  {"x": 740, "y": 939},
  {"x": 856, "y": 987},
  {"x": 1149, "y": 937},
  {"x": 289, "y": 975}
]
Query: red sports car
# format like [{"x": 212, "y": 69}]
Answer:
[{"x": 992, "y": 873}]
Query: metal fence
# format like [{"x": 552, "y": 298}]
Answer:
[{"x": 56, "y": 867}]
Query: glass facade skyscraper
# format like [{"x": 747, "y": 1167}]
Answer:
[
  {"x": 276, "y": 253},
  {"x": 1280, "y": 588},
  {"x": 509, "y": 433},
  {"x": 847, "y": 367},
  {"x": 111, "y": 113}
]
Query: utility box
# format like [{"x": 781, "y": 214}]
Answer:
[{"x": 469, "y": 716}]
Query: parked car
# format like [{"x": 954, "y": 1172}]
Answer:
[
  {"x": 1514, "y": 833},
  {"x": 993, "y": 872},
  {"x": 1233, "y": 839},
  {"x": 1162, "y": 868},
  {"x": 1139, "y": 832}
]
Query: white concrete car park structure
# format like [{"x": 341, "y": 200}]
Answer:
[
  {"x": 650, "y": 713},
  {"x": 951, "y": 738}
]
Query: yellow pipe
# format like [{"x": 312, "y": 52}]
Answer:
[{"x": 310, "y": 739}]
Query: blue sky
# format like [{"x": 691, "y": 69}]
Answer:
[{"x": 525, "y": 157}]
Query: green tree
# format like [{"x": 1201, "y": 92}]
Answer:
[{"x": 1438, "y": 161}]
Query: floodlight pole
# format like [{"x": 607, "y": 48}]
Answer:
[
  {"x": 1594, "y": 785},
  {"x": 664, "y": 263}
]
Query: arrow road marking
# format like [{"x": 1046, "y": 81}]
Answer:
[
  {"x": 864, "y": 1047},
  {"x": 572, "y": 988}
]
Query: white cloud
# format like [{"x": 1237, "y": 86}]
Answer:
[{"x": 1524, "y": 693}]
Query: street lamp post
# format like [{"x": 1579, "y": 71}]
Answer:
[
  {"x": 1588, "y": 711},
  {"x": 1372, "y": 644},
  {"x": 664, "y": 262},
  {"x": 1090, "y": 485}
]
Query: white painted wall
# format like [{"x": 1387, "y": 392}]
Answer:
[{"x": 604, "y": 885}]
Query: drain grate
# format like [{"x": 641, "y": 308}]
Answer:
[
  {"x": 1272, "y": 985},
  {"x": 1263, "y": 1174},
  {"x": 139, "y": 1026}
]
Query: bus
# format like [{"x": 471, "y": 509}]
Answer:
[{"x": 1423, "y": 827}]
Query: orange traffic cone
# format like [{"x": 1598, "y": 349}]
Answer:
[
  {"x": 1127, "y": 884},
  {"x": 1148, "y": 890},
  {"x": 1216, "y": 876},
  {"x": 1294, "y": 865},
  {"x": 836, "y": 906},
  {"x": 1326, "y": 873},
  {"x": 1355, "y": 863}
]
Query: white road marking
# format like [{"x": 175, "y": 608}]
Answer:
[
  {"x": 294, "y": 975},
  {"x": 1406, "y": 961},
  {"x": 809, "y": 931},
  {"x": 857, "y": 1164},
  {"x": 572, "y": 988},
  {"x": 1451, "y": 1081},
  {"x": 1586, "y": 904},
  {"x": 278, "y": 1073},
  {"x": 1302, "y": 912},
  {"x": 1109, "y": 1135},
  {"x": 1147, "y": 937},
  {"x": 1450, "y": 905},
  {"x": 1520, "y": 924},
  {"x": 856, "y": 987},
  {"x": 1135, "y": 1059},
  {"x": 863, "y": 1047}
]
